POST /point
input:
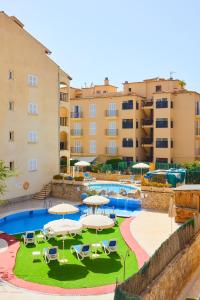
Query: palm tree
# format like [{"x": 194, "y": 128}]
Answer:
[
  {"x": 4, "y": 174},
  {"x": 182, "y": 84}
]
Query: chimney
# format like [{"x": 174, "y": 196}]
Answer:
[{"x": 106, "y": 81}]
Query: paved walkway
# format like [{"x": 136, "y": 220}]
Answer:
[{"x": 150, "y": 229}]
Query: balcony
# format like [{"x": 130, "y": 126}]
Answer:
[
  {"x": 147, "y": 122},
  {"x": 63, "y": 146},
  {"x": 76, "y": 132},
  {"x": 63, "y": 121},
  {"x": 111, "y": 132},
  {"x": 64, "y": 97},
  {"x": 111, "y": 113},
  {"x": 148, "y": 104},
  {"x": 76, "y": 115},
  {"x": 197, "y": 131},
  {"x": 77, "y": 150},
  {"x": 111, "y": 150},
  {"x": 147, "y": 142}
]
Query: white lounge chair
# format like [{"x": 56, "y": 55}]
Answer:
[
  {"x": 109, "y": 246},
  {"x": 82, "y": 251},
  {"x": 50, "y": 254},
  {"x": 29, "y": 237}
]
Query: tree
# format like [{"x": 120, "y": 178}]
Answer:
[
  {"x": 182, "y": 84},
  {"x": 4, "y": 174}
]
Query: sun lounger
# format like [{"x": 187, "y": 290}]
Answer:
[
  {"x": 50, "y": 254},
  {"x": 82, "y": 251},
  {"x": 29, "y": 237},
  {"x": 109, "y": 246}
]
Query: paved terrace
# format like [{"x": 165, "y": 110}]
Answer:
[{"x": 147, "y": 231}]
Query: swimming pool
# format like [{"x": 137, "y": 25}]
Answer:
[
  {"x": 111, "y": 187},
  {"x": 36, "y": 219}
]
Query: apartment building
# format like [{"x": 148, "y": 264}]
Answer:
[
  {"x": 153, "y": 120},
  {"x": 30, "y": 107}
]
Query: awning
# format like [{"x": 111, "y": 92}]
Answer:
[{"x": 84, "y": 158}]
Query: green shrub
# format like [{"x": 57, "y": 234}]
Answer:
[
  {"x": 79, "y": 178},
  {"x": 57, "y": 177}
]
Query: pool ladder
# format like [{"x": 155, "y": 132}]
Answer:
[{"x": 47, "y": 203}]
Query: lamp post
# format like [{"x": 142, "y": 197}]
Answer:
[{"x": 124, "y": 258}]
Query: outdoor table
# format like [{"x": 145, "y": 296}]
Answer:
[
  {"x": 36, "y": 255},
  {"x": 95, "y": 246}
]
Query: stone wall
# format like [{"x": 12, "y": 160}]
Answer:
[
  {"x": 156, "y": 199},
  {"x": 111, "y": 177},
  {"x": 172, "y": 280},
  {"x": 67, "y": 191}
]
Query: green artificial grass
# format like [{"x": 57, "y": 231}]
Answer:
[{"x": 104, "y": 270}]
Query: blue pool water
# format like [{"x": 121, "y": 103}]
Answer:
[
  {"x": 110, "y": 187},
  {"x": 36, "y": 219}
]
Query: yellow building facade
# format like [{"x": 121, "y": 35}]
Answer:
[
  {"x": 30, "y": 109},
  {"x": 155, "y": 120}
]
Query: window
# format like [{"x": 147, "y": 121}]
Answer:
[
  {"x": 162, "y": 143},
  {"x": 32, "y": 108},
  {"x": 32, "y": 137},
  {"x": 11, "y": 165},
  {"x": 127, "y": 123},
  {"x": 92, "y": 110},
  {"x": 158, "y": 88},
  {"x": 32, "y": 80},
  {"x": 77, "y": 146},
  {"x": 112, "y": 149},
  {"x": 197, "y": 108},
  {"x": 104, "y": 92},
  {"x": 162, "y": 103},
  {"x": 92, "y": 146},
  {"x": 92, "y": 130},
  {"x": 32, "y": 165},
  {"x": 11, "y": 105},
  {"x": 161, "y": 123},
  {"x": 98, "y": 92},
  {"x": 137, "y": 124},
  {"x": 77, "y": 129},
  {"x": 172, "y": 144},
  {"x": 127, "y": 143},
  {"x": 11, "y": 136},
  {"x": 112, "y": 111},
  {"x": 137, "y": 105},
  {"x": 129, "y": 89},
  {"x": 161, "y": 160},
  {"x": 63, "y": 97},
  {"x": 127, "y": 104},
  {"x": 172, "y": 104},
  {"x": 10, "y": 75},
  {"x": 172, "y": 124},
  {"x": 76, "y": 112},
  {"x": 112, "y": 128}
]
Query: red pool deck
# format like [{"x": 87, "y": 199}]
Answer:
[{"x": 7, "y": 263}]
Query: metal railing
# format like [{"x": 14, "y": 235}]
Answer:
[
  {"x": 197, "y": 131},
  {"x": 147, "y": 122},
  {"x": 111, "y": 150},
  {"x": 111, "y": 132},
  {"x": 111, "y": 113},
  {"x": 78, "y": 114},
  {"x": 76, "y": 132},
  {"x": 77, "y": 149},
  {"x": 147, "y": 103}
]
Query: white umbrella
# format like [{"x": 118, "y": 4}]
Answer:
[
  {"x": 172, "y": 210},
  {"x": 97, "y": 222},
  {"x": 63, "y": 209},
  {"x": 62, "y": 227},
  {"x": 82, "y": 163},
  {"x": 96, "y": 200},
  {"x": 141, "y": 166}
]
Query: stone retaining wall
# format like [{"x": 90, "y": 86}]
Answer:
[
  {"x": 158, "y": 200},
  {"x": 67, "y": 191},
  {"x": 172, "y": 280}
]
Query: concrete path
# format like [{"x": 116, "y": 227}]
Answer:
[{"x": 150, "y": 229}]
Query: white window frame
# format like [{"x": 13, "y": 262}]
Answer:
[
  {"x": 32, "y": 108},
  {"x": 92, "y": 110},
  {"x": 93, "y": 146},
  {"x": 32, "y": 137},
  {"x": 92, "y": 128},
  {"x": 32, "y": 80},
  {"x": 32, "y": 165}
]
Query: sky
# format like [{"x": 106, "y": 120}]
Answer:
[{"x": 120, "y": 39}]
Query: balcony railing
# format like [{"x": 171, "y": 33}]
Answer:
[
  {"x": 76, "y": 132},
  {"x": 111, "y": 132},
  {"x": 64, "y": 97},
  {"x": 148, "y": 122},
  {"x": 111, "y": 150},
  {"x": 78, "y": 114},
  {"x": 197, "y": 131},
  {"x": 147, "y": 141},
  {"x": 63, "y": 146},
  {"x": 77, "y": 149},
  {"x": 147, "y": 103},
  {"x": 111, "y": 113},
  {"x": 63, "y": 121}
]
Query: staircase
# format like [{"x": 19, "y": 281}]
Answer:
[{"x": 44, "y": 193}]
